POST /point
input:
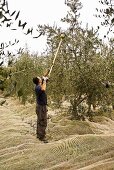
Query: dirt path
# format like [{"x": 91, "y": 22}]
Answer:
[{"x": 20, "y": 150}]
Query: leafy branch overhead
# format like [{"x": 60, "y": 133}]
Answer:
[
  {"x": 4, "y": 10},
  {"x": 8, "y": 18},
  {"x": 107, "y": 14}
]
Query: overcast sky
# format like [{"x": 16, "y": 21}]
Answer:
[{"x": 43, "y": 12}]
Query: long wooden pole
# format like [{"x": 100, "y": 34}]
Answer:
[{"x": 55, "y": 57}]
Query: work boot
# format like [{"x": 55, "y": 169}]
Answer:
[{"x": 43, "y": 140}]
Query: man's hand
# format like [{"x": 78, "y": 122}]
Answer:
[{"x": 44, "y": 79}]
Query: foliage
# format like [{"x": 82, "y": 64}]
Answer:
[
  {"x": 106, "y": 14},
  {"x": 21, "y": 74},
  {"x": 83, "y": 67}
]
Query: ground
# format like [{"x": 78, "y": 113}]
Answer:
[{"x": 73, "y": 145}]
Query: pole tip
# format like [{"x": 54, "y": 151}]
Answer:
[{"x": 62, "y": 35}]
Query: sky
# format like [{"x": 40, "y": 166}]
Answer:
[{"x": 44, "y": 12}]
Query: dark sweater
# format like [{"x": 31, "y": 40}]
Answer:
[{"x": 41, "y": 97}]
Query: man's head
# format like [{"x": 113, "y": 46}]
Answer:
[{"x": 37, "y": 80}]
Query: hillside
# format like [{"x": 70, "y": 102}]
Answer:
[{"x": 73, "y": 145}]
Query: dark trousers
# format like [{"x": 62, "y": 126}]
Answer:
[{"x": 41, "y": 111}]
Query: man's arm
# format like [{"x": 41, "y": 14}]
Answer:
[{"x": 43, "y": 86}]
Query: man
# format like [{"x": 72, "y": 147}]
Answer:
[{"x": 41, "y": 107}]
